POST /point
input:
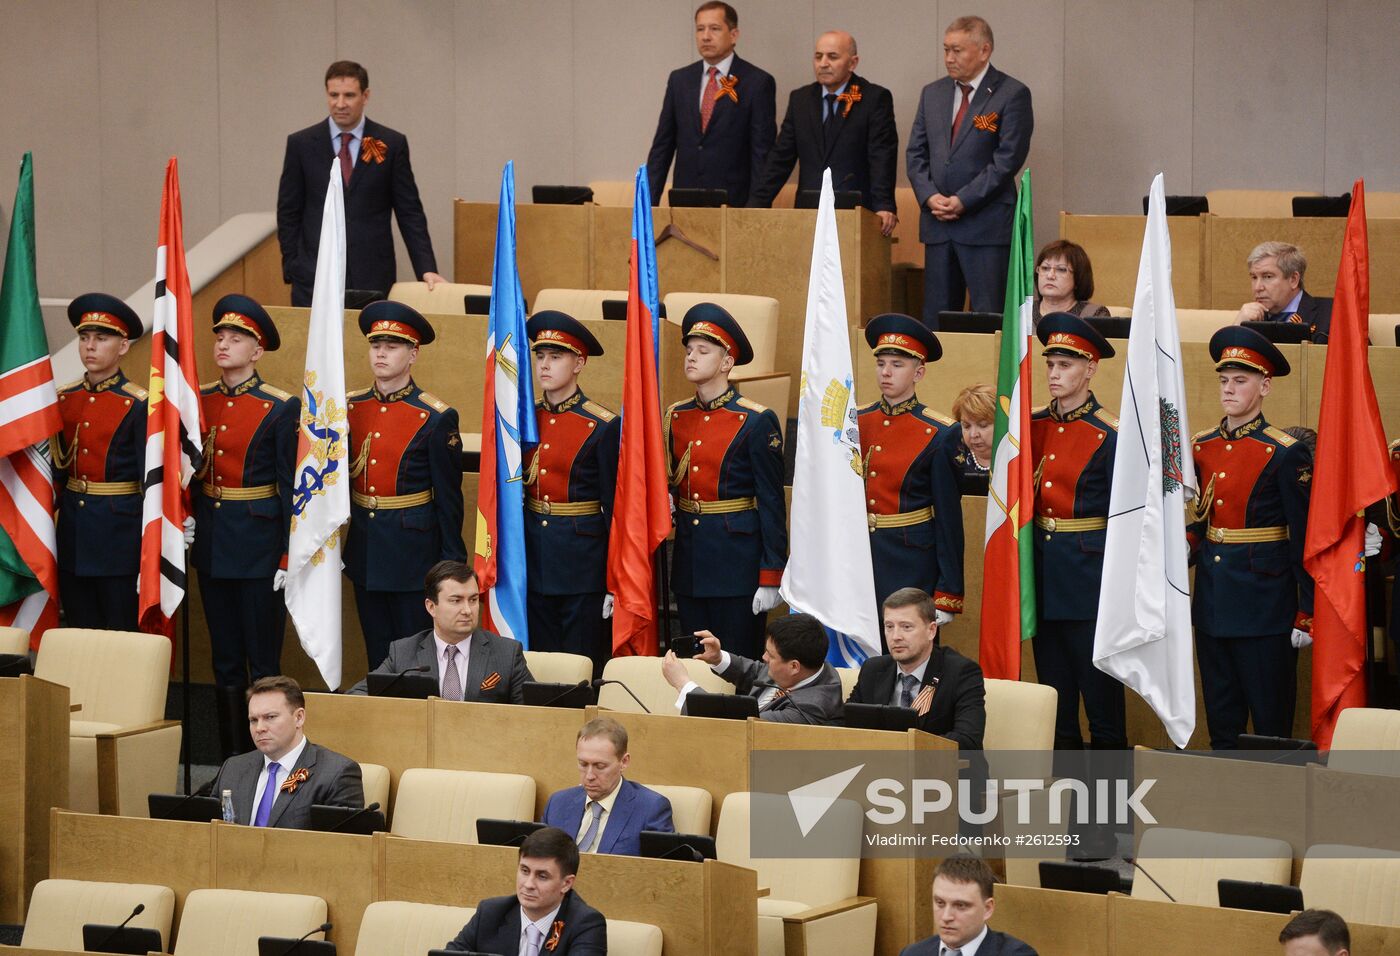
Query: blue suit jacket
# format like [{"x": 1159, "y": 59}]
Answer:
[
  {"x": 730, "y": 153},
  {"x": 636, "y": 809},
  {"x": 980, "y": 168}
]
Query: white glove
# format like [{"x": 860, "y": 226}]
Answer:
[
  {"x": 607, "y": 606},
  {"x": 1373, "y": 540},
  {"x": 764, "y": 600},
  {"x": 189, "y": 530},
  {"x": 941, "y": 617},
  {"x": 279, "y": 580},
  {"x": 1301, "y": 639}
]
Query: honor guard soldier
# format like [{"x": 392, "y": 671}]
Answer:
[
  {"x": 913, "y": 502},
  {"x": 1253, "y": 603},
  {"x": 725, "y": 456},
  {"x": 1073, "y": 441},
  {"x": 406, "y": 482},
  {"x": 242, "y": 510},
  {"x": 101, "y": 457},
  {"x": 570, "y": 479}
]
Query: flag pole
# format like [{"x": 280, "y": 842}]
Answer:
[
  {"x": 186, "y": 749},
  {"x": 663, "y": 583}
]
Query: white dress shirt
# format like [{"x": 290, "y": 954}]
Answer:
[
  {"x": 722, "y": 66},
  {"x": 1292, "y": 305},
  {"x": 975, "y": 83},
  {"x": 284, "y": 770},
  {"x": 899, "y": 673},
  {"x": 356, "y": 135},
  {"x": 544, "y": 925},
  {"x": 969, "y": 948},
  {"x": 464, "y": 650}
]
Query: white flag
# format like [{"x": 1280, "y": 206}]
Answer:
[
  {"x": 1143, "y": 636},
  {"x": 321, "y": 480},
  {"x": 829, "y": 572}
]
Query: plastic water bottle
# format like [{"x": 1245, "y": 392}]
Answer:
[{"x": 226, "y": 806}]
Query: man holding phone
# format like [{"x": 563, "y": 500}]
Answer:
[{"x": 793, "y": 684}]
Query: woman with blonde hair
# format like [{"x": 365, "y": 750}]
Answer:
[{"x": 975, "y": 408}]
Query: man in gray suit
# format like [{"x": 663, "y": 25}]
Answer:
[
  {"x": 277, "y": 784},
  {"x": 971, "y": 135},
  {"x": 793, "y": 683},
  {"x": 468, "y": 663}
]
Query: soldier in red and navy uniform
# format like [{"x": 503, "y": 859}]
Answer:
[
  {"x": 1253, "y": 603},
  {"x": 571, "y": 476},
  {"x": 913, "y": 503},
  {"x": 242, "y": 508},
  {"x": 725, "y": 455},
  {"x": 1073, "y": 440},
  {"x": 406, "y": 482},
  {"x": 100, "y": 458}
]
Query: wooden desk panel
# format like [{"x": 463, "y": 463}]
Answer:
[
  {"x": 1056, "y": 923},
  {"x": 1353, "y": 809},
  {"x": 34, "y": 723},
  {"x": 389, "y": 731},
  {"x": 551, "y": 245},
  {"x": 1385, "y": 375},
  {"x": 1176, "y": 929},
  {"x": 1114, "y": 245}
]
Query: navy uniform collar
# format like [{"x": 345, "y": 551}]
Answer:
[
  {"x": 247, "y": 386},
  {"x": 1249, "y": 427},
  {"x": 107, "y": 384},
  {"x": 723, "y": 400},
  {"x": 399, "y": 395},
  {"x": 1088, "y": 408},
  {"x": 908, "y": 405},
  {"x": 573, "y": 400}
]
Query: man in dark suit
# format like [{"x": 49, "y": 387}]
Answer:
[
  {"x": 545, "y": 915},
  {"x": 971, "y": 135},
  {"x": 607, "y": 811},
  {"x": 793, "y": 683},
  {"x": 467, "y": 662},
  {"x": 717, "y": 117},
  {"x": 962, "y": 904},
  {"x": 841, "y": 121},
  {"x": 373, "y": 162},
  {"x": 1276, "y": 278},
  {"x": 945, "y": 688},
  {"x": 277, "y": 784}
]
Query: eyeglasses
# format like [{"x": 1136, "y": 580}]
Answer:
[{"x": 1046, "y": 269}]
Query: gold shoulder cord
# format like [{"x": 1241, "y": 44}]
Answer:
[
  {"x": 362, "y": 459},
  {"x": 208, "y": 455},
  {"x": 63, "y": 457},
  {"x": 533, "y": 475},
  {"x": 1200, "y": 507},
  {"x": 1039, "y": 470},
  {"x": 681, "y": 466}
]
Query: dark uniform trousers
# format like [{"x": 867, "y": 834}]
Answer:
[
  {"x": 726, "y": 463},
  {"x": 240, "y": 540},
  {"x": 1074, "y": 479},
  {"x": 571, "y": 477},
  {"x": 405, "y": 509},
  {"x": 1246, "y": 532},
  {"x": 100, "y": 457}
]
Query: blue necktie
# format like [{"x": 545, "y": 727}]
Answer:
[
  {"x": 906, "y": 690},
  {"x": 590, "y": 836},
  {"x": 269, "y": 797}
]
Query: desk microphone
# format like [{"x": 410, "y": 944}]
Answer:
[
  {"x": 363, "y": 810},
  {"x": 101, "y": 947},
  {"x": 204, "y": 791},
  {"x": 1159, "y": 886},
  {"x": 323, "y": 928},
  {"x": 814, "y": 718},
  {"x": 565, "y": 693},
  {"x": 420, "y": 669},
  {"x": 601, "y": 681}
]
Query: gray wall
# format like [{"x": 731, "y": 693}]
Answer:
[{"x": 1245, "y": 93}]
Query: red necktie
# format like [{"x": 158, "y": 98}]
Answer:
[
  {"x": 962, "y": 111},
  {"x": 707, "y": 101},
  {"x": 344, "y": 155}
]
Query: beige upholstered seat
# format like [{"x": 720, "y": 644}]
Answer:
[
  {"x": 771, "y": 391},
  {"x": 813, "y": 901},
  {"x": 1363, "y": 885},
  {"x": 1367, "y": 740},
  {"x": 445, "y": 804},
  {"x": 757, "y": 315},
  {"x": 447, "y": 298},
  {"x": 1198, "y": 325},
  {"x": 691, "y": 807},
  {"x": 59, "y": 909},
  {"x": 229, "y": 922},
  {"x": 1190, "y": 863},
  {"x": 848, "y": 676},
  {"x": 1382, "y": 325},
  {"x": 396, "y": 928},
  {"x": 557, "y": 667},
  {"x": 580, "y": 303},
  {"x": 14, "y": 640},
  {"x": 376, "y": 783},
  {"x": 643, "y": 677},
  {"x": 1020, "y": 717},
  {"x": 120, "y": 679},
  {"x": 1254, "y": 203},
  {"x": 634, "y": 939}
]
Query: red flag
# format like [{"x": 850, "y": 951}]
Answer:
[
  {"x": 174, "y": 424},
  {"x": 641, "y": 509},
  {"x": 1351, "y": 471}
]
